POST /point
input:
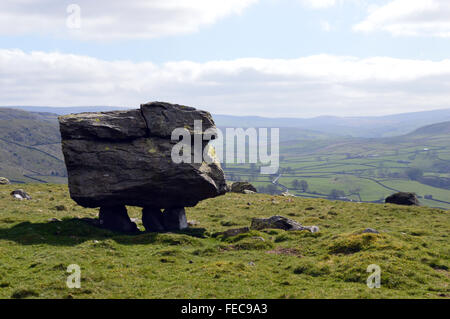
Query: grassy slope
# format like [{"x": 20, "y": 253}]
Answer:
[
  {"x": 412, "y": 251},
  {"x": 30, "y": 147}
]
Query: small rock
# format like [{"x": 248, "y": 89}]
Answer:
[
  {"x": 4, "y": 181},
  {"x": 251, "y": 263},
  {"x": 20, "y": 194},
  {"x": 60, "y": 208},
  {"x": 280, "y": 222},
  {"x": 53, "y": 220},
  {"x": 371, "y": 231},
  {"x": 241, "y": 187}
]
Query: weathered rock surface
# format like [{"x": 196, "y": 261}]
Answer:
[
  {"x": 123, "y": 158},
  {"x": 370, "y": 231},
  {"x": 408, "y": 199},
  {"x": 4, "y": 181},
  {"x": 20, "y": 194},
  {"x": 241, "y": 187},
  {"x": 116, "y": 218},
  {"x": 280, "y": 222}
]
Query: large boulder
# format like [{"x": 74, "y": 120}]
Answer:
[
  {"x": 407, "y": 199},
  {"x": 123, "y": 158},
  {"x": 241, "y": 187}
]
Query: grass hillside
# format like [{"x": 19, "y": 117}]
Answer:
[
  {"x": 412, "y": 250},
  {"x": 30, "y": 144}
]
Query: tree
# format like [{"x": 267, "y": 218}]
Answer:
[
  {"x": 304, "y": 185},
  {"x": 414, "y": 173},
  {"x": 295, "y": 184},
  {"x": 336, "y": 193}
]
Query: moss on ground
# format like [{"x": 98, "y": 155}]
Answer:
[{"x": 412, "y": 250}]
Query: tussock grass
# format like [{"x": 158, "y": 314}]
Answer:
[{"x": 412, "y": 250}]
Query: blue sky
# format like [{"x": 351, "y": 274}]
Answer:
[{"x": 268, "y": 57}]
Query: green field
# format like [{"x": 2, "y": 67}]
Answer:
[
  {"x": 363, "y": 170},
  {"x": 412, "y": 250}
]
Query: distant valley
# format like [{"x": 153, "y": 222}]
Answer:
[{"x": 353, "y": 159}]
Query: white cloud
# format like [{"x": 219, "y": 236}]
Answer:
[
  {"x": 323, "y": 4},
  {"x": 318, "y": 4},
  {"x": 307, "y": 86},
  {"x": 104, "y": 19},
  {"x": 410, "y": 18}
]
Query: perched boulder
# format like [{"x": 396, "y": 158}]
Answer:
[
  {"x": 241, "y": 187},
  {"x": 123, "y": 158},
  {"x": 280, "y": 222},
  {"x": 20, "y": 194},
  {"x": 4, "y": 181},
  {"x": 408, "y": 199}
]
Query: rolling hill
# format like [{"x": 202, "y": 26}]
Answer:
[{"x": 355, "y": 168}]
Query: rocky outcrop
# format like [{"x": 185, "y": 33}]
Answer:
[
  {"x": 4, "y": 181},
  {"x": 123, "y": 158},
  {"x": 280, "y": 222},
  {"x": 241, "y": 187},
  {"x": 407, "y": 199}
]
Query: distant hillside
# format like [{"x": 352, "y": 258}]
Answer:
[
  {"x": 30, "y": 144},
  {"x": 434, "y": 129},
  {"x": 372, "y": 127}
]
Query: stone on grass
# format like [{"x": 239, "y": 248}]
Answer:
[
  {"x": 4, "y": 181},
  {"x": 241, "y": 187},
  {"x": 116, "y": 218},
  {"x": 124, "y": 158},
  {"x": 370, "y": 231},
  {"x": 20, "y": 194},
  {"x": 402, "y": 198},
  {"x": 280, "y": 222}
]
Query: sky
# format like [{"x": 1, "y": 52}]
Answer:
[{"x": 274, "y": 58}]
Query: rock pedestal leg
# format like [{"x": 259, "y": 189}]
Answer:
[
  {"x": 174, "y": 219},
  {"x": 152, "y": 218},
  {"x": 116, "y": 218}
]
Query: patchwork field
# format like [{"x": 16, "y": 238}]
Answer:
[{"x": 412, "y": 251}]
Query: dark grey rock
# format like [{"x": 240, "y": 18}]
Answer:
[
  {"x": 371, "y": 231},
  {"x": 116, "y": 218},
  {"x": 280, "y": 222},
  {"x": 174, "y": 219},
  {"x": 241, "y": 187},
  {"x": 20, "y": 194},
  {"x": 407, "y": 199},
  {"x": 112, "y": 126},
  {"x": 152, "y": 219},
  {"x": 162, "y": 118},
  {"x": 118, "y": 158}
]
